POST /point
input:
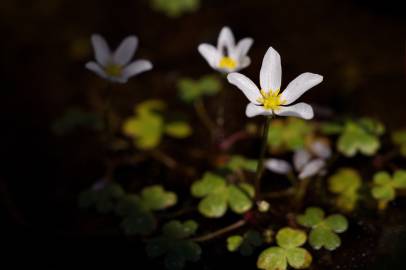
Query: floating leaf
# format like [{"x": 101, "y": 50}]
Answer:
[
  {"x": 246, "y": 243},
  {"x": 192, "y": 90},
  {"x": 178, "y": 130},
  {"x": 384, "y": 186},
  {"x": 399, "y": 138},
  {"x": 103, "y": 196},
  {"x": 174, "y": 246},
  {"x": 77, "y": 118},
  {"x": 360, "y": 136},
  {"x": 237, "y": 162},
  {"x": 287, "y": 253},
  {"x": 345, "y": 183},
  {"x": 217, "y": 196},
  {"x": 289, "y": 134},
  {"x": 323, "y": 230}
]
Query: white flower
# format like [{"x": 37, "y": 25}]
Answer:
[
  {"x": 228, "y": 56},
  {"x": 268, "y": 100},
  {"x": 306, "y": 163},
  {"x": 115, "y": 66}
]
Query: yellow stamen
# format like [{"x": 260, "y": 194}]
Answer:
[
  {"x": 113, "y": 70},
  {"x": 271, "y": 100},
  {"x": 227, "y": 62}
]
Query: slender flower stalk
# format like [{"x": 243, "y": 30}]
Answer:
[{"x": 260, "y": 166}]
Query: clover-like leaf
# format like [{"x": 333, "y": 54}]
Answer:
[
  {"x": 103, "y": 196},
  {"x": 323, "y": 230},
  {"x": 234, "y": 242},
  {"x": 178, "y": 129},
  {"x": 217, "y": 196},
  {"x": 150, "y": 106},
  {"x": 331, "y": 128},
  {"x": 384, "y": 186},
  {"x": 239, "y": 200},
  {"x": 360, "y": 136},
  {"x": 179, "y": 230},
  {"x": 146, "y": 129},
  {"x": 345, "y": 183},
  {"x": 175, "y": 8},
  {"x": 174, "y": 245},
  {"x": 287, "y": 253},
  {"x": 192, "y": 90},
  {"x": 156, "y": 198},
  {"x": 237, "y": 162},
  {"x": 148, "y": 125},
  {"x": 289, "y": 134},
  {"x": 76, "y": 118},
  {"x": 245, "y": 243},
  {"x": 399, "y": 138},
  {"x": 137, "y": 219}
]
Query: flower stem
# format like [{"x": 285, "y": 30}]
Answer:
[
  {"x": 260, "y": 167},
  {"x": 220, "y": 232},
  {"x": 204, "y": 116},
  {"x": 107, "y": 114}
]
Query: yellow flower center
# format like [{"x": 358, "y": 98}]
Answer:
[
  {"x": 113, "y": 70},
  {"x": 271, "y": 100},
  {"x": 228, "y": 62}
]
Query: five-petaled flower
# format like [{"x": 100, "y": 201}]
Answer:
[
  {"x": 115, "y": 66},
  {"x": 269, "y": 100},
  {"x": 228, "y": 56}
]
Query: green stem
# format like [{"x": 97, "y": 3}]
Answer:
[
  {"x": 107, "y": 114},
  {"x": 260, "y": 167},
  {"x": 220, "y": 232},
  {"x": 204, "y": 116}
]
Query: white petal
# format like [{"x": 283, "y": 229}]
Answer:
[
  {"x": 300, "y": 158},
  {"x": 321, "y": 149},
  {"x": 249, "y": 88},
  {"x": 278, "y": 166},
  {"x": 93, "y": 66},
  {"x": 209, "y": 53},
  {"x": 300, "y": 85},
  {"x": 126, "y": 50},
  {"x": 136, "y": 68},
  {"x": 271, "y": 71},
  {"x": 101, "y": 50},
  {"x": 244, "y": 62},
  {"x": 242, "y": 48},
  {"x": 312, "y": 168},
  {"x": 254, "y": 110},
  {"x": 226, "y": 39},
  {"x": 302, "y": 110}
]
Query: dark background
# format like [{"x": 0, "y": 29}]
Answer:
[{"x": 358, "y": 46}]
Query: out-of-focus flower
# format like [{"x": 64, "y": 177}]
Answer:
[
  {"x": 116, "y": 66},
  {"x": 307, "y": 163},
  {"x": 269, "y": 100},
  {"x": 228, "y": 56}
]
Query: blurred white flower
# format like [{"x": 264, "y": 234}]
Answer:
[
  {"x": 269, "y": 100},
  {"x": 228, "y": 56},
  {"x": 115, "y": 66},
  {"x": 306, "y": 163}
]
